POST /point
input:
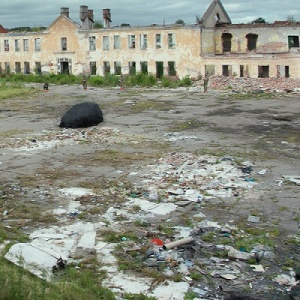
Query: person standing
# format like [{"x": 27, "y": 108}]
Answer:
[{"x": 205, "y": 83}]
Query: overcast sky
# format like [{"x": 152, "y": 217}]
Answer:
[{"x": 16, "y": 13}]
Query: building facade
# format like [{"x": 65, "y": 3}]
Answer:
[{"x": 213, "y": 45}]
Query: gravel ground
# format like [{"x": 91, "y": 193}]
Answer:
[{"x": 140, "y": 126}]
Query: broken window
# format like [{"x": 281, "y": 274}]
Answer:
[
  {"x": 117, "y": 42},
  {"x": 7, "y": 68},
  {"x": 225, "y": 70},
  {"x": 37, "y": 44},
  {"x": 25, "y": 45},
  {"x": 17, "y": 67},
  {"x": 171, "y": 68},
  {"x": 132, "y": 67},
  {"x": 118, "y": 68},
  {"x": 144, "y": 67},
  {"x": 159, "y": 69},
  {"x": 93, "y": 68},
  {"x": 158, "y": 40},
  {"x": 106, "y": 43},
  {"x": 251, "y": 41},
  {"x": 6, "y": 45},
  {"x": 26, "y": 67},
  {"x": 92, "y": 42},
  {"x": 143, "y": 41},
  {"x": 131, "y": 41},
  {"x": 106, "y": 67},
  {"x": 38, "y": 67},
  {"x": 226, "y": 42},
  {"x": 283, "y": 71},
  {"x": 242, "y": 71},
  {"x": 17, "y": 45},
  {"x": 263, "y": 71},
  {"x": 171, "y": 40},
  {"x": 63, "y": 44},
  {"x": 293, "y": 41},
  {"x": 287, "y": 71}
]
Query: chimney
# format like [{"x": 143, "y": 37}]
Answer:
[
  {"x": 83, "y": 12},
  {"x": 106, "y": 18},
  {"x": 91, "y": 14},
  {"x": 64, "y": 11}
]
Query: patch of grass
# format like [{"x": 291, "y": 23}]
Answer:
[
  {"x": 186, "y": 125},
  {"x": 79, "y": 284}
]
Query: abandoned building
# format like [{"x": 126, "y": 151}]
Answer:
[{"x": 213, "y": 45}]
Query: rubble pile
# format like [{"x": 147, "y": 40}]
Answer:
[
  {"x": 58, "y": 138},
  {"x": 242, "y": 84}
]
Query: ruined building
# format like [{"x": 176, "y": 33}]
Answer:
[{"x": 213, "y": 45}]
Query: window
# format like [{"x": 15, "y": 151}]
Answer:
[
  {"x": 132, "y": 67},
  {"x": 293, "y": 41},
  {"x": 117, "y": 42},
  {"x": 225, "y": 70},
  {"x": 263, "y": 71},
  {"x": 171, "y": 68},
  {"x": 93, "y": 68},
  {"x": 143, "y": 41},
  {"x": 118, "y": 68},
  {"x": 92, "y": 41},
  {"x": 6, "y": 45},
  {"x": 63, "y": 44},
  {"x": 210, "y": 70},
  {"x": 159, "y": 69},
  {"x": 251, "y": 41},
  {"x": 7, "y": 68},
  {"x": 171, "y": 41},
  {"x": 158, "y": 41},
  {"x": 226, "y": 42},
  {"x": 38, "y": 67},
  {"x": 144, "y": 67},
  {"x": 131, "y": 41},
  {"x": 283, "y": 71},
  {"x": 241, "y": 71},
  {"x": 17, "y": 67},
  {"x": 106, "y": 67},
  {"x": 106, "y": 43},
  {"x": 26, "y": 67},
  {"x": 37, "y": 44},
  {"x": 17, "y": 45},
  {"x": 25, "y": 45}
]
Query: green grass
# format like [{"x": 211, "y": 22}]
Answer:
[{"x": 74, "y": 284}]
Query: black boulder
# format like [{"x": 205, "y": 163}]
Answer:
[{"x": 82, "y": 115}]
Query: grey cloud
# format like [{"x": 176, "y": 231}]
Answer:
[{"x": 16, "y": 13}]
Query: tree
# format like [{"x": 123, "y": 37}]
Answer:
[
  {"x": 179, "y": 21},
  {"x": 98, "y": 24},
  {"x": 259, "y": 20},
  {"x": 291, "y": 19}
]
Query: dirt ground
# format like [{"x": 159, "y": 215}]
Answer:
[{"x": 140, "y": 126}]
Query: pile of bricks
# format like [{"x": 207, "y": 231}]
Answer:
[{"x": 250, "y": 84}]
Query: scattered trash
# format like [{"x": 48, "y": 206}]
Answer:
[
  {"x": 257, "y": 268},
  {"x": 262, "y": 172},
  {"x": 236, "y": 254},
  {"x": 178, "y": 243},
  {"x": 253, "y": 219},
  {"x": 228, "y": 276},
  {"x": 291, "y": 178}
]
